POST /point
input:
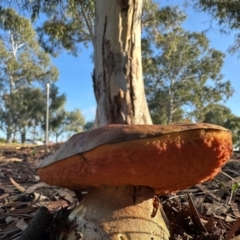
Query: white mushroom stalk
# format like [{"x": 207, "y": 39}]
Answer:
[{"x": 119, "y": 213}]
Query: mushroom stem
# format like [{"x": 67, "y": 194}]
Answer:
[{"x": 119, "y": 213}]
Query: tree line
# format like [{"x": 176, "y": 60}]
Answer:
[
  {"x": 25, "y": 69},
  {"x": 182, "y": 74}
]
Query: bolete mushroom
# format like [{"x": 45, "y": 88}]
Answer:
[{"x": 123, "y": 167}]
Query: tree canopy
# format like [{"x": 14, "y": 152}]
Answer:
[
  {"x": 71, "y": 22},
  {"x": 182, "y": 74},
  {"x": 25, "y": 68},
  {"x": 227, "y": 15},
  {"x": 222, "y": 115},
  {"x": 22, "y": 61}
]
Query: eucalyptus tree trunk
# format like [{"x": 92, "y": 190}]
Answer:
[
  {"x": 9, "y": 134},
  {"x": 117, "y": 78}
]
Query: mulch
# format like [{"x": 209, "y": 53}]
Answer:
[{"x": 208, "y": 211}]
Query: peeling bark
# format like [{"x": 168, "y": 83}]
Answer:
[{"x": 118, "y": 83}]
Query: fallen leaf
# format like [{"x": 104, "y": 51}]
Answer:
[
  {"x": 234, "y": 228},
  {"x": 195, "y": 215},
  {"x": 18, "y": 186},
  {"x": 10, "y": 219},
  {"x": 21, "y": 224},
  {"x": 209, "y": 225}
]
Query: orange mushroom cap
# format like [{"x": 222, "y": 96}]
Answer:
[{"x": 165, "y": 158}]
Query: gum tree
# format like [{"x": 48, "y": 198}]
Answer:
[
  {"x": 227, "y": 16},
  {"x": 182, "y": 75},
  {"x": 22, "y": 61}
]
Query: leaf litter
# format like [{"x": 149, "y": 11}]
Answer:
[{"x": 31, "y": 209}]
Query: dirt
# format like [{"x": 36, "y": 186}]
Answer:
[{"x": 208, "y": 211}]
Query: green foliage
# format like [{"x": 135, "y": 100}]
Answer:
[
  {"x": 233, "y": 123},
  {"x": 88, "y": 126},
  {"x": 11, "y": 21},
  {"x": 21, "y": 58},
  {"x": 159, "y": 19},
  {"x": 67, "y": 123},
  {"x": 22, "y": 64},
  {"x": 25, "y": 65},
  {"x": 217, "y": 114},
  {"x": 221, "y": 115},
  {"x": 57, "y": 100},
  {"x": 69, "y": 24},
  {"x": 25, "y": 104},
  {"x": 76, "y": 120},
  {"x": 182, "y": 74},
  {"x": 226, "y": 13},
  {"x": 29, "y": 108}
]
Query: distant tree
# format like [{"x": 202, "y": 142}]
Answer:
[
  {"x": 221, "y": 115},
  {"x": 233, "y": 123},
  {"x": 29, "y": 108},
  {"x": 227, "y": 15},
  {"x": 217, "y": 114},
  {"x": 57, "y": 103},
  {"x": 68, "y": 123},
  {"x": 57, "y": 124},
  {"x": 21, "y": 60},
  {"x": 26, "y": 104},
  {"x": 77, "y": 122},
  {"x": 88, "y": 126},
  {"x": 182, "y": 74}
]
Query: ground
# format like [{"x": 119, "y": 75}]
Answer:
[{"x": 208, "y": 211}]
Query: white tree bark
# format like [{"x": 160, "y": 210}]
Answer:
[{"x": 118, "y": 83}]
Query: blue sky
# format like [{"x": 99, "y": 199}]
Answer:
[{"x": 75, "y": 73}]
